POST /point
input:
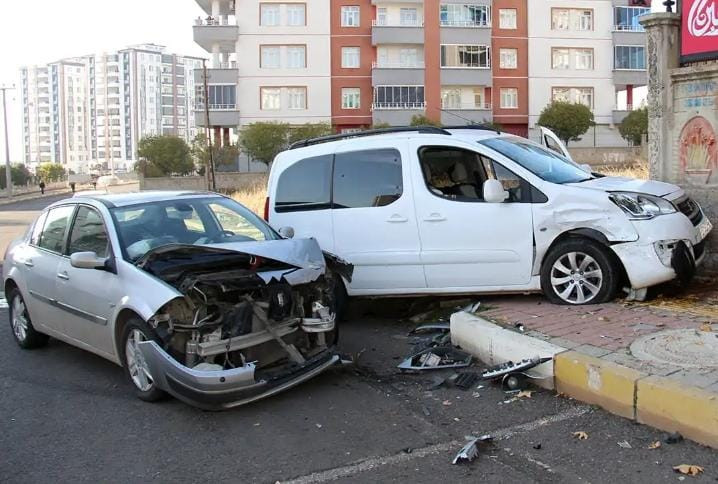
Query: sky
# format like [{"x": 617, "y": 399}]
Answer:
[{"x": 42, "y": 31}]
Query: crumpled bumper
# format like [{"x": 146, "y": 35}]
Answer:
[{"x": 218, "y": 390}]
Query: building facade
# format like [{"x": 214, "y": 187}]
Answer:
[
  {"x": 89, "y": 113},
  {"x": 357, "y": 63}
]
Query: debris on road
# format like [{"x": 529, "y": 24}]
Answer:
[
  {"x": 580, "y": 435},
  {"x": 470, "y": 451},
  {"x": 510, "y": 367},
  {"x": 472, "y": 308},
  {"x": 624, "y": 444},
  {"x": 706, "y": 327},
  {"x": 537, "y": 446},
  {"x": 436, "y": 358},
  {"x": 654, "y": 445},
  {"x": 430, "y": 328},
  {"x": 688, "y": 469},
  {"x": 673, "y": 438},
  {"x": 465, "y": 380},
  {"x": 524, "y": 394}
]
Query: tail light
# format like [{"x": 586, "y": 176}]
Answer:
[{"x": 266, "y": 209}]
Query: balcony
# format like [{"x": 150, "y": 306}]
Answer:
[
  {"x": 217, "y": 31},
  {"x": 226, "y": 7},
  {"x": 466, "y": 76},
  {"x": 220, "y": 115},
  {"x": 466, "y": 113},
  {"x": 619, "y": 114},
  {"x": 226, "y": 74},
  {"x": 396, "y": 114},
  {"x": 628, "y": 35},
  {"x": 633, "y": 77},
  {"x": 394, "y": 73},
  {"x": 391, "y": 33}
]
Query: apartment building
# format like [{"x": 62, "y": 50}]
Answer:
[
  {"x": 89, "y": 113},
  {"x": 587, "y": 51}
]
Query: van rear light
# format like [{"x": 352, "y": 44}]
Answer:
[{"x": 266, "y": 209}]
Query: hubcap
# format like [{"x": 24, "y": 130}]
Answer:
[
  {"x": 136, "y": 363},
  {"x": 19, "y": 318},
  {"x": 576, "y": 277}
]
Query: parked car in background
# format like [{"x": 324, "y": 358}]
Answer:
[
  {"x": 191, "y": 293},
  {"x": 473, "y": 210}
]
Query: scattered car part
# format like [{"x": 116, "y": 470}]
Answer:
[
  {"x": 472, "y": 308},
  {"x": 466, "y": 380},
  {"x": 436, "y": 358},
  {"x": 513, "y": 381},
  {"x": 470, "y": 451},
  {"x": 429, "y": 328},
  {"x": 509, "y": 367}
]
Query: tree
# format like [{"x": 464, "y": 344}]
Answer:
[
  {"x": 423, "y": 120},
  {"x": 380, "y": 125},
  {"x": 222, "y": 155},
  {"x": 164, "y": 155},
  {"x": 634, "y": 126},
  {"x": 263, "y": 141},
  {"x": 568, "y": 120},
  {"x": 308, "y": 131},
  {"x": 50, "y": 172},
  {"x": 19, "y": 175}
]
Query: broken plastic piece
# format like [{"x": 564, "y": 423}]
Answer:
[
  {"x": 472, "y": 308},
  {"x": 466, "y": 380},
  {"x": 470, "y": 451},
  {"x": 430, "y": 328},
  {"x": 437, "y": 358},
  {"x": 509, "y": 367}
]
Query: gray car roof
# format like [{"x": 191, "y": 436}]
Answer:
[{"x": 132, "y": 198}]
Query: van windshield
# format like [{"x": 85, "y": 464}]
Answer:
[{"x": 543, "y": 163}]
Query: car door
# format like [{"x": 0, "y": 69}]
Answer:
[
  {"x": 465, "y": 241},
  {"x": 373, "y": 216},
  {"x": 88, "y": 296},
  {"x": 42, "y": 259},
  {"x": 552, "y": 142}
]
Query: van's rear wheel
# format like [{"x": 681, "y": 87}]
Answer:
[{"x": 579, "y": 271}]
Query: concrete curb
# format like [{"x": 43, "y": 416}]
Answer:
[
  {"x": 652, "y": 400},
  {"x": 33, "y": 196}
]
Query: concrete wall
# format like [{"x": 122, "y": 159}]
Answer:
[
  {"x": 226, "y": 182},
  {"x": 609, "y": 156}
]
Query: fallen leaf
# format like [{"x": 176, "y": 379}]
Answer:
[
  {"x": 655, "y": 445},
  {"x": 690, "y": 470},
  {"x": 580, "y": 435},
  {"x": 524, "y": 394},
  {"x": 706, "y": 327}
]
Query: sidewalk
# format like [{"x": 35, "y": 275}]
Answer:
[
  {"x": 654, "y": 362},
  {"x": 4, "y": 200}
]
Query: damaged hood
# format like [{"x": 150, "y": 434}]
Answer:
[{"x": 624, "y": 184}]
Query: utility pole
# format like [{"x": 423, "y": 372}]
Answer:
[
  {"x": 8, "y": 170},
  {"x": 208, "y": 131}
]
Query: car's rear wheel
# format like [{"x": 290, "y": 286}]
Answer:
[
  {"x": 579, "y": 271},
  {"x": 25, "y": 334},
  {"x": 134, "y": 363}
]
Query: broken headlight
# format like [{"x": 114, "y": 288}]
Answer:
[{"x": 640, "y": 205}]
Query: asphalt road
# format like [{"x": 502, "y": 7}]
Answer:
[{"x": 67, "y": 415}]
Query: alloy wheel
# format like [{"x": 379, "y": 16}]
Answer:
[
  {"x": 19, "y": 318},
  {"x": 136, "y": 364},
  {"x": 576, "y": 277}
]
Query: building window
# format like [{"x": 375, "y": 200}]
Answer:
[
  {"x": 507, "y": 18},
  {"x": 571, "y": 19},
  {"x": 508, "y": 58},
  {"x": 269, "y": 57},
  {"x": 350, "y": 16},
  {"x": 475, "y": 56},
  {"x": 399, "y": 97},
  {"x": 222, "y": 96},
  {"x": 297, "y": 97},
  {"x": 271, "y": 98},
  {"x": 579, "y": 95},
  {"x": 296, "y": 14},
  {"x": 509, "y": 98},
  {"x": 269, "y": 14},
  {"x": 408, "y": 57},
  {"x": 564, "y": 58},
  {"x": 381, "y": 16},
  {"x": 451, "y": 98},
  {"x": 630, "y": 57},
  {"x": 350, "y": 57},
  {"x": 351, "y": 98},
  {"x": 297, "y": 56},
  {"x": 626, "y": 18},
  {"x": 408, "y": 17},
  {"x": 457, "y": 15}
]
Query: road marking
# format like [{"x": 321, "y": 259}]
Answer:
[{"x": 375, "y": 462}]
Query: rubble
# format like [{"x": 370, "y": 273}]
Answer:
[
  {"x": 470, "y": 451},
  {"x": 436, "y": 358}
]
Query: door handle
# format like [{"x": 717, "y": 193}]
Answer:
[
  {"x": 28, "y": 263},
  {"x": 434, "y": 217},
  {"x": 397, "y": 219},
  {"x": 63, "y": 275}
]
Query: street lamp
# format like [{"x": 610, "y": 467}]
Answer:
[{"x": 8, "y": 170}]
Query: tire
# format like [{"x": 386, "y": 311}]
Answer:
[
  {"x": 579, "y": 271},
  {"x": 136, "y": 330},
  {"x": 25, "y": 334}
]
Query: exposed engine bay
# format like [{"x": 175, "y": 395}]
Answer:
[{"x": 239, "y": 309}]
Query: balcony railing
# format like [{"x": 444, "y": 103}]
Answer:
[
  {"x": 397, "y": 65},
  {"x": 199, "y": 106},
  {"x": 628, "y": 28},
  {"x": 397, "y": 106},
  {"x": 384, "y": 23},
  {"x": 228, "y": 65},
  {"x": 221, "y": 21},
  {"x": 464, "y": 23},
  {"x": 465, "y": 106}
]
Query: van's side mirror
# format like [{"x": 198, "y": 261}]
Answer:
[
  {"x": 87, "y": 260},
  {"x": 286, "y": 232},
  {"x": 494, "y": 191}
]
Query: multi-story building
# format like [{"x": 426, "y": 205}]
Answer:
[
  {"x": 362, "y": 62},
  {"x": 90, "y": 112}
]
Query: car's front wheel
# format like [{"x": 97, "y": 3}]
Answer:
[
  {"x": 134, "y": 363},
  {"x": 579, "y": 271},
  {"x": 25, "y": 334}
]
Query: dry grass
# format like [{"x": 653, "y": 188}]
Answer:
[
  {"x": 253, "y": 196},
  {"x": 637, "y": 170}
]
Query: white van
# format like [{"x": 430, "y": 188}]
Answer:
[{"x": 471, "y": 210}]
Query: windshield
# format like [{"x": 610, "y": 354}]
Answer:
[
  {"x": 543, "y": 163},
  {"x": 204, "y": 221}
]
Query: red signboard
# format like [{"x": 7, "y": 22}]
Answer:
[{"x": 699, "y": 30}]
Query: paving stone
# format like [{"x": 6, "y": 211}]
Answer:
[
  {"x": 698, "y": 378},
  {"x": 592, "y": 350},
  {"x": 565, "y": 343}
]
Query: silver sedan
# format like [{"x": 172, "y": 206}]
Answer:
[{"x": 191, "y": 293}]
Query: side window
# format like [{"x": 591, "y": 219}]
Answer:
[
  {"x": 552, "y": 145},
  {"x": 370, "y": 178},
  {"x": 53, "y": 233},
  {"x": 88, "y": 233},
  {"x": 511, "y": 182},
  {"x": 37, "y": 229},
  {"x": 306, "y": 185},
  {"x": 453, "y": 173}
]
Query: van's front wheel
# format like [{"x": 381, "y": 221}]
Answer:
[{"x": 579, "y": 271}]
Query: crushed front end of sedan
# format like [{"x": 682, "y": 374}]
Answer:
[{"x": 253, "y": 319}]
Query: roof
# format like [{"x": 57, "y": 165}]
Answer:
[{"x": 123, "y": 199}]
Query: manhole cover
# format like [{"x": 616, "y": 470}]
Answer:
[{"x": 689, "y": 348}]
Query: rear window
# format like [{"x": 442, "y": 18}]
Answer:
[
  {"x": 370, "y": 178},
  {"x": 306, "y": 185}
]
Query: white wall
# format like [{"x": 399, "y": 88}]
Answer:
[{"x": 393, "y": 12}]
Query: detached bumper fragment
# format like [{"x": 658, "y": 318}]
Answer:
[{"x": 218, "y": 390}]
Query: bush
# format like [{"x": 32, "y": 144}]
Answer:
[
  {"x": 164, "y": 155},
  {"x": 568, "y": 120},
  {"x": 634, "y": 126},
  {"x": 265, "y": 140},
  {"x": 423, "y": 120}
]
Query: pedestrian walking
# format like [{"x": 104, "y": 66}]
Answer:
[
  {"x": 72, "y": 187},
  {"x": 42, "y": 187}
]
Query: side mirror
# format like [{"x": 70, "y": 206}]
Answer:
[
  {"x": 494, "y": 191},
  {"x": 586, "y": 167},
  {"x": 286, "y": 232},
  {"x": 87, "y": 260}
]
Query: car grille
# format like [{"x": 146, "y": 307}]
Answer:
[{"x": 690, "y": 209}]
